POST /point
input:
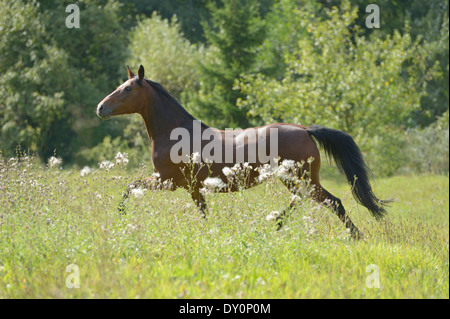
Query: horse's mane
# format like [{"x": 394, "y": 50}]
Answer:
[{"x": 161, "y": 90}]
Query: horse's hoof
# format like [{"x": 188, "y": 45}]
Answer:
[{"x": 279, "y": 225}]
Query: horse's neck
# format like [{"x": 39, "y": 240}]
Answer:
[{"x": 161, "y": 118}]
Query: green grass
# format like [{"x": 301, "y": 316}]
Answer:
[{"x": 161, "y": 248}]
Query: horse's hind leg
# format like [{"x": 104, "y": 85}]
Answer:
[
  {"x": 321, "y": 195},
  {"x": 288, "y": 210}
]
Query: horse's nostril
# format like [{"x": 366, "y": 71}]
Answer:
[{"x": 100, "y": 108}]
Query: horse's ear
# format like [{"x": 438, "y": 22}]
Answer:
[
  {"x": 130, "y": 73},
  {"x": 141, "y": 73}
]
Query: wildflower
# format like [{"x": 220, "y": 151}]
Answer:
[
  {"x": 247, "y": 166},
  {"x": 282, "y": 172},
  {"x": 156, "y": 175},
  {"x": 214, "y": 183},
  {"x": 204, "y": 191},
  {"x": 167, "y": 184},
  {"x": 85, "y": 171},
  {"x": 265, "y": 172},
  {"x": 122, "y": 159},
  {"x": 260, "y": 281},
  {"x": 228, "y": 172},
  {"x": 273, "y": 216},
  {"x": 12, "y": 161},
  {"x": 54, "y": 161},
  {"x": 196, "y": 158},
  {"x": 137, "y": 192},
  {"x": 107, "y": 165},
  {"x": 288, "y": 164}
]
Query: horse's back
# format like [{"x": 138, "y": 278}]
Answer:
[{"x": 295, "y": 143}]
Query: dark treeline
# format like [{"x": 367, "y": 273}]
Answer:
[{"x": 232, "y": 63}]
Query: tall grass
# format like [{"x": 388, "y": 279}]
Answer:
[{"x": 161, "y": 248}]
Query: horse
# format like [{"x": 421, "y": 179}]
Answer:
[{"x": 163, "y": 115}]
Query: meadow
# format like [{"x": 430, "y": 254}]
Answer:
[{"x": 55, "y": 220}]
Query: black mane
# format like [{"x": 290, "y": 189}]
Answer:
[{"x": 160, "y": 89}]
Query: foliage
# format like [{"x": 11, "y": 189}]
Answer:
[
  {"x": 190, "y": 13},
  {"x": 428, "y": 24},
  {"x": 33, "y": 83},
  {"x": 236, "y": 30},
  {"x": 427, "y": 150},
  {"x": 55, "y": 76},
  {"x": 167, "y": 56},
  {"x": 366, "y": 86},
  {"x": 96, "y": 60},
  {"x": 302, "y": 61}
]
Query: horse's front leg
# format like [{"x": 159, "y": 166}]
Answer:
[{"x": 200, "y": 201}]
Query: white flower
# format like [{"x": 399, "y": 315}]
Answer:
[
  {"x": 204, "y": 191},
  {"x": 196, "y": 158},
  {"x": 282, "y": 172},
  {"x": 85, "y": 171},
  {"x": 228, "y": 172},
  {"x": 214, "y": 183},
  {"x": 273, "y": 216},
  {"x": 288, "y": 164},
  {"x": 107, "y": 165},
  {"x": 265, "y": 172},
  {"x": 156, "y": 175},
  {"x": 54, "y": 161},
  {"x": 122, "y": 159},
  {"x": 137, "y": 192},
  {"x": 236, "y": 167}
]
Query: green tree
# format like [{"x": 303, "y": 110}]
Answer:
[
  {"x": 338, "y": 77},
  {"x": 33, "y": 83},
  {"x": 53, "y": 77},
  {"x": 235, "y": 32},
  {"x": 428, "y": 24},
  {"x": 169, "y": 58},
  {"x": 96, "y": 57}
]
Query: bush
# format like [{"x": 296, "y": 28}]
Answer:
[{"x": 427, "y": 150}]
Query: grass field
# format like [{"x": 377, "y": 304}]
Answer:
[{"x": 51, "y": 218}]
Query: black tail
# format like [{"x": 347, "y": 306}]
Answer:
[{"x": 343, "y": 149}]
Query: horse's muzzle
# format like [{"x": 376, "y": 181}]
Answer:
[{"x": 102, "y": 112}]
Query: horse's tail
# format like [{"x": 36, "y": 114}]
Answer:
[{"x": 348, "y": 158}]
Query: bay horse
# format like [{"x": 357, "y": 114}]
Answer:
[{"x": 162, "y": 114}]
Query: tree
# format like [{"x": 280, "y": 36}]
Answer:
[
  {"x": 338, "y": 77},
  {"x": 33, "y": 82},
  {"x": 53, "y": 77},
  {"x": 236, "y": 30}
]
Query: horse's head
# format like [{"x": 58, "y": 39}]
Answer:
[{"x": 130, "y": 97}]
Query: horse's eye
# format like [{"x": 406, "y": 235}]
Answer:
[{"x": 128, "y": 88}]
